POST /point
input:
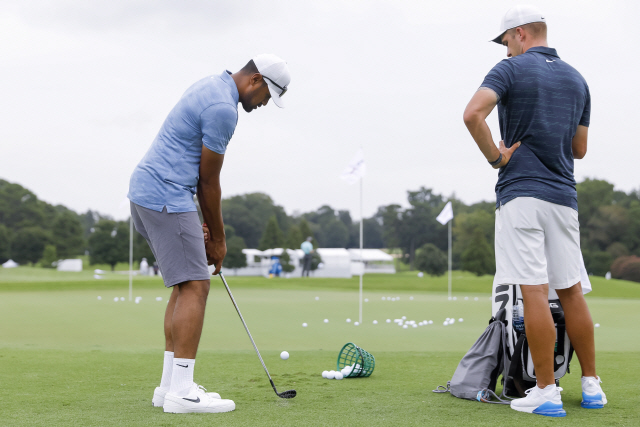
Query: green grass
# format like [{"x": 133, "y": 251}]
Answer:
[{"x": 67, "y": 358}]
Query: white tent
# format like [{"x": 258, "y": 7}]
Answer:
[
  {"x": 70, "y": 265},
  {"x": 336, "y": 262},
  {"x": 375, "y": 261},
  {"x": 10, "y": 264}
]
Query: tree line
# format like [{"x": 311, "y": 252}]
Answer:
[{"x": 33, "y": 231}]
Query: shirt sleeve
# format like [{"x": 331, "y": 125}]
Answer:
[
  {"x": 586, "y": 113},
  {"x": 218, "y": 122},
  {"x": 499, "y": 79}
]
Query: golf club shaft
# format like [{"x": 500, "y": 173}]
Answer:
[{"x": 245, "y": 327}]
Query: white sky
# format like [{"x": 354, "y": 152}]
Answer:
[{"x": 86, "y": 85}]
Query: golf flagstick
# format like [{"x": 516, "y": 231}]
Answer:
[{"x": 289, "y": 394}]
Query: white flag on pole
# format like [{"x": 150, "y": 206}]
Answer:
[
  {"x": 356, "y": 168},
  {"x": 446, "y": 215}
]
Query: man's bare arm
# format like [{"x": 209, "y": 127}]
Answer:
[
  {"x": 579, "y": 142},
  {"x": 480, "y": 106},
  {"x": 209, "y": 197}
]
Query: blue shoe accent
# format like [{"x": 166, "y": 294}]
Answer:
[
  {"x": 592, "y": 401},
  {"x": 550, "y": 409}
]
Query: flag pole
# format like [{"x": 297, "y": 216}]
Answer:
[
  {"x": 450, "y": 221},
  {"x": 361, "y": 257},
  {"x": 130, "y": 257}
]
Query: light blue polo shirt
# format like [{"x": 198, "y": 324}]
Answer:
[{"x": 168, "y": 174}]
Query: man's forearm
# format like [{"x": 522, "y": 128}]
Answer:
[
  {"x": 481, "y": 134},
  {"x": 209, "y": 197}
]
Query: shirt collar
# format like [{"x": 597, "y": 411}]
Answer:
[
  {"x": 545, "y": 50},
  {"x": 226, "y": 77}
]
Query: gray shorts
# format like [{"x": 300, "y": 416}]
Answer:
[{"x": 177, "y": 242}]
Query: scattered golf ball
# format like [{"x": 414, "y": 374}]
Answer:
[
  {"x": 158, "y": 298},
  {"x": 317, "y": 298},
  {"x": 99, "y": 297},
  {"x": 420, "y": 324},
  {"x": 375, "y": 322},
  {"x": 452, "y": 321},
  {"x": 431, "y": 322},
  {"x": 455, "y": 298},
  {"x": 405, "y": 326},
  {"x": 304, "y": 325},
  {"x": 597, "y": 325},
  {"x": 445, "y": 323},
  {"x": 420, "y": 274},
  {"x": 338, "y": 376},
  {"x": 411, "y": 298},
  {"x": 366, "y": 300},
  {"x": 356, "y": 323},
  {"x": 475, "y": 299},
  {"x": 116, "y": 299},
  {"x": 348, "y": 320},
  {"x": 121, "y": 298},
  {"x": 331, "y": 375},
  {"x": 325, "y": 374},
  {"x": 461, "y": 320},
  {"x": 326, "y": 320},
  {"x": 404, "y": 317},
  {"x": 449, "y": 298},
  {"x": 383, "y": 298},
  {"x": 137, "y": 301},
  {"x": 466, "y": 298},
  {"x": 284, "y": 355},
  {"x": 388, "y": 320}
]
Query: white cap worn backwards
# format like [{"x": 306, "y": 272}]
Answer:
[
  {"x": 518, "y": 16},
  {"x": 276, "y": 73}
]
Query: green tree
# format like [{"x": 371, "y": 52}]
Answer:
[
  {"x": 5, "y": 244},
  {"x": 235, "y": 244},
  {"x": 272, "y": 236},
  {"x": 305, "y": 231},
  {"x": 109, "y": 243},
  {"x": 294, "y": 237},
  {"x": 28, "y": 244},
  {"x": 464, "y": 226},
  {"x": 285, "y": 261},
  {"x": 68, "y": 235},
  {"x": 597, "y": 262},
  {"x": 478, "y": 258},
  {"x": 336, "y": 235},
  {"x": 49, "y": 256},
  {"x": 431, "y": 260}
]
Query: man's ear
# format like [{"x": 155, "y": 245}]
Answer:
[{"x": 256, "y": 79}]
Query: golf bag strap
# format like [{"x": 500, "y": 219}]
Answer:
[
  {"x": 487, "y": 396},
  {"x": 443, "y": 389},
  {"x": 513, "y": 367}
]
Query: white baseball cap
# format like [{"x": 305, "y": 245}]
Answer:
[
  {"x": 518, "y": 16},
  {"x": 276, "y": 73}
]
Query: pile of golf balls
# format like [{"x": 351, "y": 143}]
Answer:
[{"x": 338, "y": 375}]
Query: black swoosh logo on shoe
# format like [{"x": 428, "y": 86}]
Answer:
[
  {"x": 193, "y": 400},
  {"x": 182, "y": 366}
]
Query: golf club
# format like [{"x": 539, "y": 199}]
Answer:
[{"x": 289, "y": 394}]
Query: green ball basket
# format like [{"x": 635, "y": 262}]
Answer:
[{"x": 362, "y": 361}]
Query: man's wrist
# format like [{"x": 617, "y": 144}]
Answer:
[{"x": 497, "y": 161}]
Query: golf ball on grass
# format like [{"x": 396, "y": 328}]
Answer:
[
  {"x": 116, "y": 299},
  {"x": 317, "y": 298},
  {"x": 388, "y": 320},
  {"x": 331, "y": 375},
  {"x": 284, "y": 355},
  {"x": 348, "y": 320},
  {"x": 326, "y": 320},
  {"x": 338, "y": 376},
  {"x": 597, "y": 325},
  {"x": 325, "y": 374},
  {"x": 405, "y": 326},
  {"x": 304, "y": 325},
  {"x": 461, "y": 320},
  {"x": 375, "y": 322},
  {"x": 99, "y": 297},
  {"x": 356, "y": 323},
  {"x": 366, "y": 300}
]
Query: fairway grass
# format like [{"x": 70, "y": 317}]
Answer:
[{"x": 68, "y": 358}]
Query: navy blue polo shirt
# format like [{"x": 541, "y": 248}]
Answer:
[{"x": 542, "y": 100}]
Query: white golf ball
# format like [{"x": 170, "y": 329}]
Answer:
[
  {"x": 137, "y": 301},
  {"x": 420, "y": 274},
  {"x": 404, "y": 317},
  {"x": 431, "y": 322},
  {"x": 475, "y": 299},
  {"x": 99, "y": 297},
  {"x": 452, "y": 321},
  {"x": 455, "y": 298},
  {"x": 461, "y": 320},
  {"x": 356, "y": 323},
  {"x": 304, "y": 325},
  {"x": 338, "y": 376},
  {"x": 405, "y": 326},
  {"x": 411, "y": 298},
  {"x": 284, "y": 355},
  {"x": 116, "y": 299},
  {"x": 393, "y": 299},
  {"x": 383, "y": 298},
  {"x": 375, "y": 322},
  {"x": 388, "y": 320},
  {"x": 348, "y": 320},
  {"x": 420, "y": 324},
  {"x": 597, "y": 325},
  {"x": 466, "y": 298},
  {"x": 317, "y": 298},
  {"x": 449, "y": 298},
  {"x": 158, "y": 298},
  {"x": 121, "y": 298},
  {"x": 331, "y": 375},
  {"x": 326, "y": 320},
  {"x": 445, "y": 323},
  {"x": 366, "y": 300},
  {"x": 324, "y": 374},
  {"x": 414, "y": 325}
]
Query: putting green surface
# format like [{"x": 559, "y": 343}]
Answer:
[{"x": 68, "y": 358}]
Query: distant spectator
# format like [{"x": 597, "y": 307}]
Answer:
[
  {"x": 307, "y": 248},
  {"x": 155, "y": 268},
  {"x": 276, "y": 267},
  {"x": 144, "y": 267}
]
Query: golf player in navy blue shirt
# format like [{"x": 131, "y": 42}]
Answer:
[
  {"x": 185, "y": 159},
  {"x": 544, "y": 110}
]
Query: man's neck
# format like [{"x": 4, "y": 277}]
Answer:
[{"x": 534, "y": 43}]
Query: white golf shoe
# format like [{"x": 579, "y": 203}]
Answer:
[
  {"x": 545, "y": 402},
  {"x": 159, "y": 393},
  {"x": 197, "y": 400},
  {"x": 592, "y": 395}
]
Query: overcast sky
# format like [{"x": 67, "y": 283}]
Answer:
[{"x": 86, "y": 85}]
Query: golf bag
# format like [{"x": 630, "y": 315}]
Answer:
[{"x": 520, "y": 374}]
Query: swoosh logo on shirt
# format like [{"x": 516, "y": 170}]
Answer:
[
  {"x": 193, "y": 400},
  {"x": 182, "y": 366},
  {"x": 551, "y": 61}
]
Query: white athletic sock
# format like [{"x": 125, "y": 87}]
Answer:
[
  {"x": 167, "y": 368},
  {"x": 182, "y": 376}
]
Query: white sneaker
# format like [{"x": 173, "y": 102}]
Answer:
[
  {"x": 197, "y": 400},
  {"x": 592, "y": 395},
  {"x": 159, "y": 393},
  {"x": 541, "y": 401}
]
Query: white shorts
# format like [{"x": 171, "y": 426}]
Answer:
[{"x": 537, "y": 242}]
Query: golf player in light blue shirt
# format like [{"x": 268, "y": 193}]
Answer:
[{"x": 185, "y": 159}]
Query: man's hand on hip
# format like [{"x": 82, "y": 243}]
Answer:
[{"x": 506, "y": 153}]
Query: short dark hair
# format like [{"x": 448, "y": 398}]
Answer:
[
  {"x": 536, "y": 29},
  {"x": 250, "y": 68}
]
